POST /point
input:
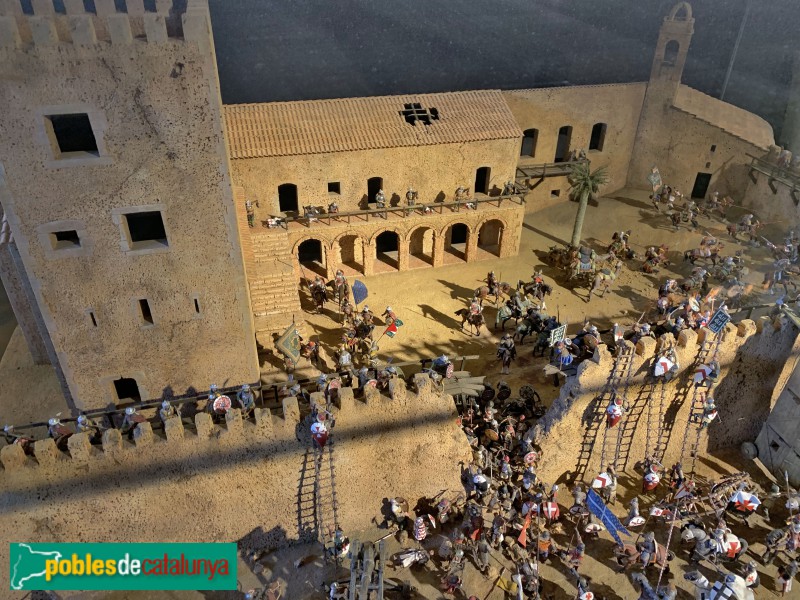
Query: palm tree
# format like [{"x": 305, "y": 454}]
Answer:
[{"x": 584, "y": 185}]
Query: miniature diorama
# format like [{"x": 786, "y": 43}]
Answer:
[{"x": 521, "y": 343}]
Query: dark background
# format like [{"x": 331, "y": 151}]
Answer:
[{"x": 271, "y": 50}]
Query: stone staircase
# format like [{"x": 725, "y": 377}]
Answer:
[{"x": 274, "y": 297}]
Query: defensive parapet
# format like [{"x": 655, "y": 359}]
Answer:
[
  {"x": 756, "y": 358},
  {"x": 46, "y": 27}
]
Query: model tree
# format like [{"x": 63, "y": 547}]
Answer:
[{"x": 584, "y": 186}]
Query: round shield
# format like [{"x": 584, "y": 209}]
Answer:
[
  {"x": 491, "y": 434},
  {"x": 527, "y": 392},
  {"x": 449, "y": 372},
  {"x": 579, "y": 510},
  {"x": 594, "y": 528},
  {"x": 636, "y": 522},
  {"x": 487, "y": 394},
  {"x": 371, "y": 383},
  {"x": 503, "y": 394},
  {"x": 222, "y": 404},
  {"x": 530, "y": 458}
]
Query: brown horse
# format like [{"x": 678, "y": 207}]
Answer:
[
  {"x": 603, "y": 280},
  {"x": 475, "y": 321},
  {"x": 484, "y": 292}
]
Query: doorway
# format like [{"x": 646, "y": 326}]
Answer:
[
  {"x": 387, "y": 249},
  {"x": 490, "y": 236},
  {"x": 701, "y": 183},
  {"x": 310, "y": 256},
  {"x": 127, "y": 390},
  {"x": 287, "y": 198},
  {"x": 455, "y": 241},
  {"x": 374, "y": 185},
  {"x": 482, "y": 177},
  {"x": 563, "y": 144}
]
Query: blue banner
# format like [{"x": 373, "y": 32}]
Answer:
[
  {"x": 359, "y": 292},
  {"x": 600, "y": 510}
]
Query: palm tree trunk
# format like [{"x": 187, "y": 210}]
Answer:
[{"x": 576, "y": 230}]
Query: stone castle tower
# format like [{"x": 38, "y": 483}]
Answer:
[
  {"x": 669, "y": 60},
  {"x": 115, "y": 184}
]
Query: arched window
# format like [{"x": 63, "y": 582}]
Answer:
[
  {"x": 671, "y": 53},
  {"x": 530, "y": 137},
  {"x": 598, "y": 138},
  {"x": 563, "y": 144}
]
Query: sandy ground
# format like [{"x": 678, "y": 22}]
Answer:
[{"x": 425, "y": 301}]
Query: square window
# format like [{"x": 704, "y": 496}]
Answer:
[
  {"x": 708, "y": 165},
  {"x": 145, "y": 313},
  {"x": 127, "y": 389},
  {"x": 146, "y": 230},
  {"x": 65, "y": 240},
  {"x": 334, "y": 187},
  {"x": 555, "y": 193},
  {"x": 713, "y": 147},
  {"x": 73, "y": 134}
]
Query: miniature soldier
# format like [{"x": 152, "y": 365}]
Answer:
[
  {"x": 347, "y": 311},
  {"x": 546, "y": 546},
  {"x": 461, "y": 193},
  {"x": 746, "y": 221},
  {"x": 399, "y": 510},
  {"x": 475, "y": 307},
  {"x": 380, "y": 199},
  {"x": 647, "y": 548},
  {"x": 246, "y": 400},
  {"x": 481, "y": 485},
  {"x": 86, "y": 425},
  {"x": 389, "y": 314},
  {"x": 529, "y": 477},
  {"x": 166, "y": 411},
  {"x": 575, "y": 557},
  {"x": 132, "y": 418},
  {"x": 506, "y": 352},
  {"x": 482, "y": 553},
  {"x": 251, "y": 213},
  {"x": 508, "y": 188},
  {"x": 411, "y": 196},
  {"x": 676, "y": 476},
  {"x": 651, "y": 477},
  {"x": 319, "y": 430},
  {"x": 709, "y": 413},
  {"x": 609, "y": 492},
  {"x": 785, "y": 576},
  {"x": 614, "y": 412},
  {"x": 633, "y": 509},
  {"x": 367, "y": 316},
  {"x": 769, "y": 502},
  {"x": 333, "y": 208},
  {"x": 751, "y": 578},
  {"x": 579, "y": 497}
]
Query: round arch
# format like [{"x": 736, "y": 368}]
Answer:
[
  {"x": 387, "y": 245},
  {"x": 348, "y": 250},
  {"x": 312, "y": 254},
  {"x": 682, "y": 11},
  {"x": 490, "y": 236},
  {"x": 456, "y": 238},
  {"x": 421, "y": 242},
  {"x": 400, "y": 234}
]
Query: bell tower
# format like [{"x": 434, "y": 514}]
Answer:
[
  {"x": 672, "y": 48},
  {"x": 662, "y": 87}
]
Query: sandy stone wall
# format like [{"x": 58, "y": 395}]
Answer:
[
  {"x": 756, "y": 359},
  {"x": 434, "y": 171},
  {"x": 771, "y": 207},
  {"x": 549, "y": 109},
  {"x": 241, "y": 481},
  {"x": 153, "y": 102}
]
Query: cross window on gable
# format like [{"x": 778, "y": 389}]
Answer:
[{"x": 414, "y": 112}]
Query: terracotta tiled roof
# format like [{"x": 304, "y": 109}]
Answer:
[{"x": 318, "y": 126}]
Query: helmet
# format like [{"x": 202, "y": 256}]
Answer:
[
  {"x": 679, "y": 321},
  {"x": 246, "y": 386},
  {"x": 718, "y": 533},
  {"x": 8, "y": 428},
  {"x": 751, "y": 565},
  {"x": 593, "y": 330},
  {"x": 775, "y": 489},
  {"x": 82, "y": 419},
  {"x": 795, "y": 527},
  {"x": 506, "y": 458},
  {"x": 687, "y": 535},
  {"x": 388, "y": 309},
  {"x": 649, "y": 536},
  {"x": 618, "y": 401},
  {"x": 165, "y": 404},
  {"x": 213, "y": 387},
  {"x": 130, "y": 410},
  {"x": 53, "y": 422},
  {"x": 365, "y": 309},
  {"x": 580, "y": 547},
  {"x": 545, "y": 535}
]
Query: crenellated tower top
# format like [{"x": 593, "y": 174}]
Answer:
[{"x": 172, "y": 20}]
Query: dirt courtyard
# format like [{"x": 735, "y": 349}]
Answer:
[{"x": 425, "y": 300}]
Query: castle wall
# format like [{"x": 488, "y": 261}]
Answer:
[
  {"x": 549, "y": 109},
  {"x": 434, "y": 171},
  {"x": 405, "y": 445},
  {"x": 770, "y": 207},
  {"x": 756, "y": 359},
  {"x": 153, "y": 103}
]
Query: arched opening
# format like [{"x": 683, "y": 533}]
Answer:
[
  {"x": 529, "y": 139},
  {"x": 287, "y": 198},
  {"x": 420, "y": 248},
  {"x": 598, "y": 138},
  {"x": 681, "y": 12},
  {"x": 482, "y": 176},
  {"x": 351, "y": 254},
  {"x": 490, "y": 236},
  {"x": 310, "y": 256},
  {"x": 374, "y": 185},
  {"x": 563, "y": 143},
  {"x": 387, "y": 250},
  {"x": 671, "y": 51},
  {"x": 455, "y": 242}
]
